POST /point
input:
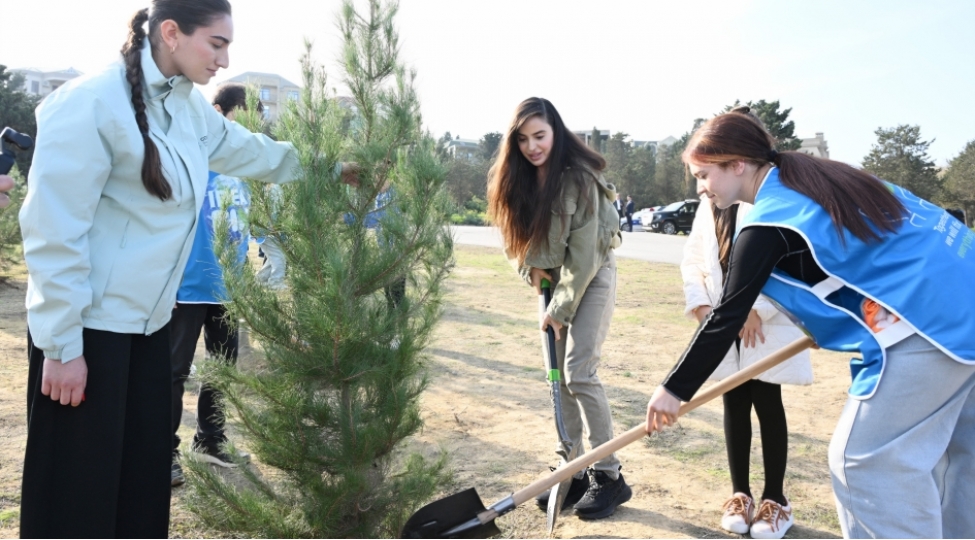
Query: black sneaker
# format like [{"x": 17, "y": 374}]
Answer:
[
  {"x": 177, "y": 474},
  {"x": 219, "y": 457},
  {"x": 577, "y": 489},
  {"x": 603, "y": 496}
]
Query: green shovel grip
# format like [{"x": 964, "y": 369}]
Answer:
[{"x": 546, "y": 284}]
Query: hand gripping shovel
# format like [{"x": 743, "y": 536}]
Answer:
[
  {"x": 463, "y": 515},
  {"x": 565, "y": 450}
]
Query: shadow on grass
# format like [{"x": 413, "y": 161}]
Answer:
[{"x": 491, "y": 318}]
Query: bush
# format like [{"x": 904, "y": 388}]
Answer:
[
  {"x": 469, "y": 217},
  {"x": 473, "y": 212}
]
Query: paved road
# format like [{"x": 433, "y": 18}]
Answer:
[{"x": 645, "y": 246}]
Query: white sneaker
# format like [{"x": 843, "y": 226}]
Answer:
[
  {"x": 772, "y": 520},
  {"x": 737, "y": 513}
]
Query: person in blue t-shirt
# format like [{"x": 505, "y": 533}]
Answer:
[
  {"x": 199, "y": 302},
  {"x": 385, "y": 201}
]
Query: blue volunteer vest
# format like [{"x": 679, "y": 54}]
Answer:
[
  {"x": 923, "y": 275},
  {"x": 203, "y": 278}
]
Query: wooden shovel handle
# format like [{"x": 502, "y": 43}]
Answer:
[{"x": 638, "y": 432}]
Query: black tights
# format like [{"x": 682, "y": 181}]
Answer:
[{"x": 767, "y": 399}]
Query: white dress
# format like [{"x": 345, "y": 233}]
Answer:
[{"x": 703, "y": 283}]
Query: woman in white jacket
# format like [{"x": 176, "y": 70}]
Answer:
[
  {"x": 117, "y": 182},
  {"x": 704, "y": 265}
]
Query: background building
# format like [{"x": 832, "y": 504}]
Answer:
[
  {"x": 815, "y": 146},
  {"x": 462, "y": 148},
  {"x": 42, "y": 83},
  {"x": 644, "y": 144},
  {"x": 274, "y": 91},
  {"x": 586, "y": 137}
]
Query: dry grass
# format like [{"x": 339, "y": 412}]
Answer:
[{"x": 488, "y": 406}]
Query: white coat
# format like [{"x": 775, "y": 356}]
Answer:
[
  {"x": 703, "y": 284},
  {"x": 102, "y": 253}
]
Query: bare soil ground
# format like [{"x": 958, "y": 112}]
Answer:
[{"x": 488, "y": 406}]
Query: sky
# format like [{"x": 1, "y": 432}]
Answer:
[{"x": 645, "y": 68}]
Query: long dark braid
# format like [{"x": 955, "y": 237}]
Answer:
[
  {"x": 152, "y": 174},
  {"x": 188, "y": 15}
]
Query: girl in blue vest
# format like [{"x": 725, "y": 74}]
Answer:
[{"x": 866, "y": 267}]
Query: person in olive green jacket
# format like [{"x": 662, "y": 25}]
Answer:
[{"x": 556, "y": 216}]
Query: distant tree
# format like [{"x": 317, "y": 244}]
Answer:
[
  {"x": 776, "y": 122},
  {"x": 631, "y": 169},
  {"x": 640, "y": 170},
  {"x": 17, "y": 111},
  {"x": 466, "y": 179},
  {"x": 617, "y": 159},
  {"x": 959, "y": 181},
  {"x": 594, "y": 140},
  {"x": 442, "y": 146},
  {"x": 668, "y": 180},
  {"x": 488, "y": 145},
  {"x": 901, "y": 157}
]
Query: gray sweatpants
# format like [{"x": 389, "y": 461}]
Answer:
[
  {"x": 585, "y": 408},
  {"x": 903, "y": 461},
  {"x": 272, "y": 272}
]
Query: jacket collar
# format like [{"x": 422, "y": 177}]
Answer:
[{"x": 157, "y": 85}]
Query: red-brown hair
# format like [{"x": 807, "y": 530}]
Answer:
[{"x": 854, "y": 199}]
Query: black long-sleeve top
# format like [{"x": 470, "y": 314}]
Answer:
[{"x": 756, "y": 252}]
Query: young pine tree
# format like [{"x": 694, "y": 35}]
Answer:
[
  {"x": 336, "y": 392},
  {"x": 10, "y": 239}
]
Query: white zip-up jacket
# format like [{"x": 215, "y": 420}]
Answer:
[
  {"x": 703, "y": 285},
  {"x": 102, "y": 253}
]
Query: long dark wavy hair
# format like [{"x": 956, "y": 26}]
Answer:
[
  {"x": 854, "y": 199},
  {"x": 518, "y": 203},
  {"x": 188, "y": 15}
]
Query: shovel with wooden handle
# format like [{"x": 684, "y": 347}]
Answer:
[
  {"x": 463, "y": 515},
  {"x": 566, "y": 451}
]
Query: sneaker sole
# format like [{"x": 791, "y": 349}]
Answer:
[
  {"x": 214, "y": 460},
  {"x": 773, "y": 535},
  {"x": 743, "y": 528},
  {"x": 625, "y": 495}
]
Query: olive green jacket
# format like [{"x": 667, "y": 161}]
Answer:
[{"x": 579, "y": 240}]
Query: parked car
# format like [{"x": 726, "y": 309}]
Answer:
[
  {"x": 674, "y": 218},
  {"x": 640, "y": 217}
]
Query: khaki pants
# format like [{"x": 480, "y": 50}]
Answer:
[{"x": 585, "y": 408}]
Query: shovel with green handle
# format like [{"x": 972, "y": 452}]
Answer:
[
  {"x": 462, "y": 515},
  {"x": 565, "y": 450}
]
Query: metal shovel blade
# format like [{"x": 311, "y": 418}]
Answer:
[
  {"x": 555, "y": 500},
  {"x": 438, "y": 517},
  {"x": 556, "y": 497}
]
